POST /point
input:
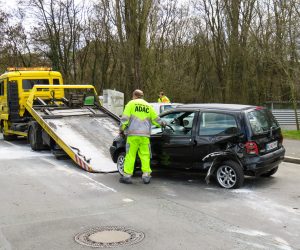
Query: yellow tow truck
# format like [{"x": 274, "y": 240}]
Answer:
[{"x": 34, "y": 103}]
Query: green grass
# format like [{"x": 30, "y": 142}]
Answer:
[{"x": 291, "y": 134}]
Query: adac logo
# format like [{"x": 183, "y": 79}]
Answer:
[{"x": 141, "y": 108}]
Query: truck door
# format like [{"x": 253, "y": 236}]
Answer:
[
  {"x": 2, "y": 97},
  {"x": 13, "y": 100}
]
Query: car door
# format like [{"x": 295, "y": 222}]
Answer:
[
  {"x": 174, "y": 146},
  {"x": 215, "y": 128}
]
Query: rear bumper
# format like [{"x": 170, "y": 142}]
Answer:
[{"x": 260, "y": 164}]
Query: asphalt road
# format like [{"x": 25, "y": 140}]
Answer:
[{"x": 45, "y": 202}]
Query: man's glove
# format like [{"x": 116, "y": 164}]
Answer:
[{"x": 163, "y": 124}]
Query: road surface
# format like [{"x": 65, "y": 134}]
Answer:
[{"x": 45, "y": 202}]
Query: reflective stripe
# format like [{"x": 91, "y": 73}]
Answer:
[
  {"x": 139, "y": 127},
  {"x": 137, "y": 118},
  {"x": 124, "y": 122},
  {"x": 127, "y": 147},
  {"x": 124, "y": 118},
  {"x": 150, "y": 151}
]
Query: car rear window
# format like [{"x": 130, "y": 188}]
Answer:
[{"x": 261, "y": 121}]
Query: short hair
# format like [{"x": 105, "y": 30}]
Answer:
[{"x": 138, "y": 93}]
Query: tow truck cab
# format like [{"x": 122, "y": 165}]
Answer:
[{"x": 15, "y": 88}]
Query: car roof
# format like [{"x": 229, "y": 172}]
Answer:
[
  {"x": 218, "y": 106},
  {"x": 164, "y": 103}
]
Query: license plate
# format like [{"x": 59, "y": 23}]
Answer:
[{"x": 272, "y": 145}]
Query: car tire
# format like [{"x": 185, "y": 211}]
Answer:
[
  {"x": 120, "y": 162},
  {"x": 270, "y": 173},
  {"x": 229, "y": 175},
  {"x": 35, "y": 136}
]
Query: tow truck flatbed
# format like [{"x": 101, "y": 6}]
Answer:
[{"x": 84, "y": 133}]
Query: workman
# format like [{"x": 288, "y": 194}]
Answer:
[
  {"x": 136, "y": 122},
  {"x": 163, "y": 98}
]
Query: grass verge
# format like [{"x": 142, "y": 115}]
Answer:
[{"x": 291, "y": 134}]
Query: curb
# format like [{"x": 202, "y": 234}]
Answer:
[{"x": 291, "y": 159}]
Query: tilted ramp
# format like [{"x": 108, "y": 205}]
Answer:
[
  {"x": 85, "y": 134},
  {"x": 88, "y": 135}
]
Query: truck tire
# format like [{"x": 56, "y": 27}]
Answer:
[
  {"x": 35, "y": 136},
  {"x": 9, "y": 137},
  {"x": 229, "y": 174}
]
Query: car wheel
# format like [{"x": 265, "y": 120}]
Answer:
[
  {"x": 270, "y": 173},
  {"x": 120, "y": 163},
  {"x": 230, "y": 175}
]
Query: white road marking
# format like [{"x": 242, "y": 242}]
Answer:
[
  {"x": 127, "y": 200},
  {"x": 241, "y": 191},
  {"x": 20, "y": 152},
  {"x": 248, "y": 232},
  {"x": 9, "y": 143},
  {"x": 283, "y": 244},
  {"x": 68, "y": 170}
]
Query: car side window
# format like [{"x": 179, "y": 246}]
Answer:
[
  {"x": 179, "y": 123},
  {"x": 212, "y": 123}
]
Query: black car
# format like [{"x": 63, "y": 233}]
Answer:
[{"x": 226, "y": 140}]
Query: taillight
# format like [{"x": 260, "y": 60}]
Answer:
[{"x": 251, "y": 148}]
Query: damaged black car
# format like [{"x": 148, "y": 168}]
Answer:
[{"x": 228, "y": 141}]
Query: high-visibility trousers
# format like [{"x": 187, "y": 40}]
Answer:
[{"x": 140, "y": 145}]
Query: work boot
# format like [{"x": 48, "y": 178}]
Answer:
[
  {"x": 146, "y": 177},
  {"x": 126, "y": 179}
]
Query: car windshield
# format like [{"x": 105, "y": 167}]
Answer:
[{"x": 261, "y": 121}]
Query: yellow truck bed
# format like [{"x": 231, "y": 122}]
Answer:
[{"x": 85, "y": 133}]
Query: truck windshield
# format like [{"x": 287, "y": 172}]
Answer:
[
  {"x": 29, "y": 83},
  {"x": 261, "y": 121}
]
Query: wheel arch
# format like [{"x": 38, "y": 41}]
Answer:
[
  {"x": 217, "y": 160},
  {"x": 117, "y": 152}
]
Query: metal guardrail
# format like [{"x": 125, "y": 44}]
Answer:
[{"x": 286, "y": 116}]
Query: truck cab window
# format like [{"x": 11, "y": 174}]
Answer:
[
  {"x": 55, "y": 81},
  {"x": 29, "y": 83}
]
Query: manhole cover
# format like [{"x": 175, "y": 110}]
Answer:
[{"x": 109, "y": 237}]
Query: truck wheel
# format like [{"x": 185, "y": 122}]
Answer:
[
  {"x": 120, "y": 163},
  {"x": 230, "y": 175},
  {"x": 35, "y": 136},
  {"x": 9, "y": 137},
  {"x": 270, "y": 173}
]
